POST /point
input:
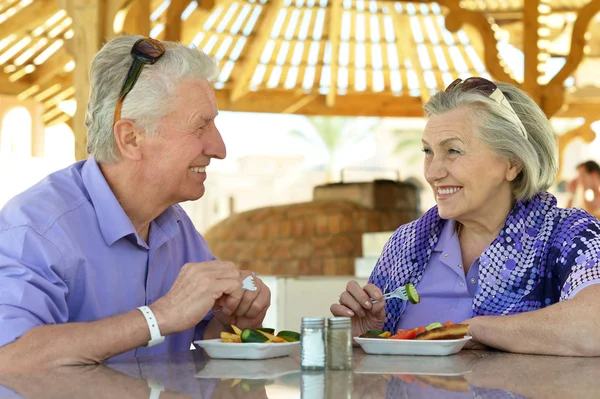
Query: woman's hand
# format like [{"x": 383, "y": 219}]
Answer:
[{"x": 355, "y": 302}]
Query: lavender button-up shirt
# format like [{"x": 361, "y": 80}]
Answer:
[
  {"x": 69, "y": 253},
  {"x": 446, "y": 293}
]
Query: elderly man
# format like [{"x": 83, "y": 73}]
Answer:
[{"x": 98, "y": 261}]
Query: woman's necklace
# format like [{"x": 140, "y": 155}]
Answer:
[{"x": 458, "y": 228}]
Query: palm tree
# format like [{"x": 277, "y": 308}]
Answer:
[
  {"x": 409, "y": 144},
  {"x": 337, "y": 135}
]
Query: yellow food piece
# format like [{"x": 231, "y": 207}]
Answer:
[{"x": 236, "y": 330}]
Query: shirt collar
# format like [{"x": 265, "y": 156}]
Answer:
[
  {"x": 448, "y": 231},
  {"x": 112, "y": 219}
]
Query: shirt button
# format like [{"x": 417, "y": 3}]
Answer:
[
  {"x": 462, "y": 284},
  {"x": 460, "y": 266},
  {"x": 473, "y": 280},
  {"x": 445, "y": 256}
]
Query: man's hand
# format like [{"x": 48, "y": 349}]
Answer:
[
  {"x": 194, "y": 293},
  {"x": 355, "y": 302},
  {"x": 244, "y": 309}
]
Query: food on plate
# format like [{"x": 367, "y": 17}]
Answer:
[
  {"x": 433, "y": 331},
  {"x": 258, "y": 335},
  {"x": 453, "y": 331},
  {"x": 376, "y": 334}
]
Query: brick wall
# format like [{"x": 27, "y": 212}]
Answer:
[{"x": 322, "y": 237}]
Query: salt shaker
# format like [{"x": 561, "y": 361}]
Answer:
[
  {"x": 339, "y": 343},
  {"x": 312, "y": 344}
]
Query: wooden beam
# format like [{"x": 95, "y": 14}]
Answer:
[
  {"x": 531, "y": 49},
  {"x": 554, "y": 92},
  {"x": 12, "y": 88},
  {"x": 29, "y": 18},
  {"x": 88, "y": 23},
  {"x": 49, "y": 69},
  {"x": 301, "y": 103},
  {"x": 254, "y": 48},
  {"x": 173, "y": 25},
  {"x": 583, "y": 132},
  {"x": 335, "y": 23},
  {"x": 137, "y": 21},
  {"x": 363, "y": 104}
]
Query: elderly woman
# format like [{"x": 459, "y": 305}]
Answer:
[{"x": 496, "y": 252}]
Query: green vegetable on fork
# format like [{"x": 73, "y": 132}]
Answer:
[{"x": 406, "y": 292}]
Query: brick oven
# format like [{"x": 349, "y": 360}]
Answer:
[{"x": 321, "y": 237}]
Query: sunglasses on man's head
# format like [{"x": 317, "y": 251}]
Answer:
[
  {"x": 489, "y": 89},
  {"x": 144, "y": 52}
]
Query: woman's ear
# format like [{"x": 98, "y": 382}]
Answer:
[
  {"x": 514, "y": 169},
  {"x": 128, "y": 139}
]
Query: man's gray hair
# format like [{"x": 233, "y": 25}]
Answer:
[
  {"x": 148, "y": 101},
  {"x": 494, "y": 123}
]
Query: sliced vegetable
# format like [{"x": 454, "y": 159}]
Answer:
[
  {"x": 236, "y": 330},
  {"x": 448, "y": 323},
  {"x": 385, "y": 334},
  {"x": 413, "y": 295},
  {"x": 267, "y": 330},
  {"x": 249, "y": 335},
  {"x": 289, "y": 336},
  {"x": 375, "y": 332},
  {"x": 433, "y": 325},
  {"x": 405, "y": 334}
]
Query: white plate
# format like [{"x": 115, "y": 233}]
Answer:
[
  {"x": 415, "y": 365},
  {"x": 228, "y": 350},
  {"x": 250, "y": 369},
  {"x": 379, "y": 346}
]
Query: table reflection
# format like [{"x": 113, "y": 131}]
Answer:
[{"x": 469, "y": 374}]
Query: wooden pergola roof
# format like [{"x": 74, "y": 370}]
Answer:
[{"x": 348, "y": 57}]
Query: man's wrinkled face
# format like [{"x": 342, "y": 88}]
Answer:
[{"x": 188, "y": 140}]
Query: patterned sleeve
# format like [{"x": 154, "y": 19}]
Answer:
[
  {"x": 388, "y": 258},
  {"x": 577, "y": 253}
]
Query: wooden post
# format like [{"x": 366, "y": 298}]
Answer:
[
  {"x": 88, "y": 26},
  {"x": 531, "y": 48}
]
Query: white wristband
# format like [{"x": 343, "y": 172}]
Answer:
[{"x": 155, "y": 337}]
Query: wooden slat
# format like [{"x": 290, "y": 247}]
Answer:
[
  {"x": 253, "y": 50},
  {"x": 364, "y": 104},
  {"x": 335, "y": 23},
  {"x": 402, "y": 31},
  {"x": 28, "y": 18}
]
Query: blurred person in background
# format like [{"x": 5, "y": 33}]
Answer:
[{"x": 588, "y": 183}]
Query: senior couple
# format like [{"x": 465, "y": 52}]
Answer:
[{"x": 98, "y": 261}]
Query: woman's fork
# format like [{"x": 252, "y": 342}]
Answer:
[{"x": 404, "y": 292}]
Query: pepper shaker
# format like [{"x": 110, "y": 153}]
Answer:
[{"x": 339, "y": 343}]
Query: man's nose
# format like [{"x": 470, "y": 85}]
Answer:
[{"x": 215, "y": 146}]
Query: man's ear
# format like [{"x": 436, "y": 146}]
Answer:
[
  {"x": 514, "y": 169},
  {"x": 128, "y": 138}
]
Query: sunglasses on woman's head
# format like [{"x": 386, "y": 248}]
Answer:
[
  {"x": 145, "y": 51},
  {"x": 489, "y": 89}
]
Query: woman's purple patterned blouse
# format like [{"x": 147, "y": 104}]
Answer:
[{"x": 543, "y": 255}]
